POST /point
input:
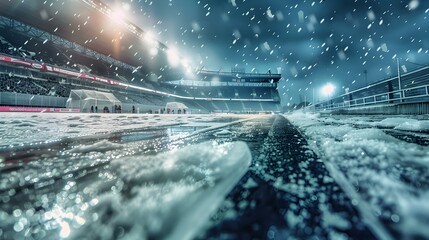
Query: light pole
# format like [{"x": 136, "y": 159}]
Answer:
[
  {"x": 366, "y": 77},
  {"x": 399, "y": 80}
]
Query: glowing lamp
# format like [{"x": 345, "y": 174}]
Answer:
[{"x": 328, "y": 89}]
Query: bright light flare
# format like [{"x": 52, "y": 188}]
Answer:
[
  {"x": 153, "y": 51},
  {"x": 187, "y": 66},
  {"x": 148, "y": 37},
  {"x": 328, "y": 89},
  {"x": 118, "y": 13},
  {"x": 173, "y": 57},
  {"x": 149, "y": 40},
  {"x": 185, "y": 63}
]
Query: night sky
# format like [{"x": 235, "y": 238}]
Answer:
[{"x": 310, "y": 42}]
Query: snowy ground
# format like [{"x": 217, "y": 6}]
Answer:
[
  {"x": 139, "y": 176},
  {"x": 108, "y": 176},
  {"x": 22, "y": 128},
  {"x": 382, "y": 162}
]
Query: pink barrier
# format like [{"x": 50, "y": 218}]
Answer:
[
  {"x": 46, "y": 68},
  {"x": 35, "y": 109}
]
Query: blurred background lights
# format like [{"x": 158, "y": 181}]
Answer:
[{"x": 328, "y": 89}]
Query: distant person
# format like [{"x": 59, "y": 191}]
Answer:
[
  {"x": 134, "y": 109},
  {"x": 96, "y": 109},
  {"x": 92, "y": 109},
  {"x": 119, "y": 109}
]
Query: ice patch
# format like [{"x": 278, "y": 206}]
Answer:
[
  {"x": 394, "y": 122},
  {"x": 18, "y": 130},
  {"x": 333, "y": 220},
  {"x": 414, "y": 126},
  {"x": 389, "y": 175},
  {"x": 223, "y": 133},
  {"x": 167, "y": 196},
  {"x": 336, "y": 132},
  {"x": 250, "y": 183},
  {"x": 304, "y": 119},
  {"x": 102, "y": 146},
  {"x": 368, "y": 134}
]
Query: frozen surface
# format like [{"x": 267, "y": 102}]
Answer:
[
  {"x": 167, "y": 176},
  {"x": 169, "y": 195},
  {"x": 388, "y": 173},
  {"x": 112, "y": 176},
  {"x": 21, "y": 128}
]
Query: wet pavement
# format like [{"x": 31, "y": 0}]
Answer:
[{"x": 287, "y": 192}]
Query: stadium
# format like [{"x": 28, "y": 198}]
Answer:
[
  {"x": 50, "y": 65},
  {"x": 108, "y": 132}
]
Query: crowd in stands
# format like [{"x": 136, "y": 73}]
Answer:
[
  {"x": 31, "y": 86},
  {"x": 19, "y": 45}
]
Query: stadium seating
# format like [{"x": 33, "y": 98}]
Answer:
[{"x": 22, "y": 46}]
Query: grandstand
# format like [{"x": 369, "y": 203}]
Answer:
[
  {"x": 231, "y": 91},
  {"x": 41, "y": 64}
]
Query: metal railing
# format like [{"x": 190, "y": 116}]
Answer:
[
  {"x": 408, "y": 95},
  {"x": 411, "y": 87}
]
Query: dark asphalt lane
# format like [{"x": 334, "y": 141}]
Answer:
[{"x": 292, "y": 195}]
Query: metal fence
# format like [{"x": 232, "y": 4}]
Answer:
[
  {"x": 409, "y": 95},
  {"x": 409, "y": 88},
  {"x": 21, "y": 99}
]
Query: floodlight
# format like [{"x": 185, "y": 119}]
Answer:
[{"x": 328, "y": 89}]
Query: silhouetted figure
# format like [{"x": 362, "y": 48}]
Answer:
[
  {"x": 92, "y": 109},
  {"x": 96, "y": 109}
]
